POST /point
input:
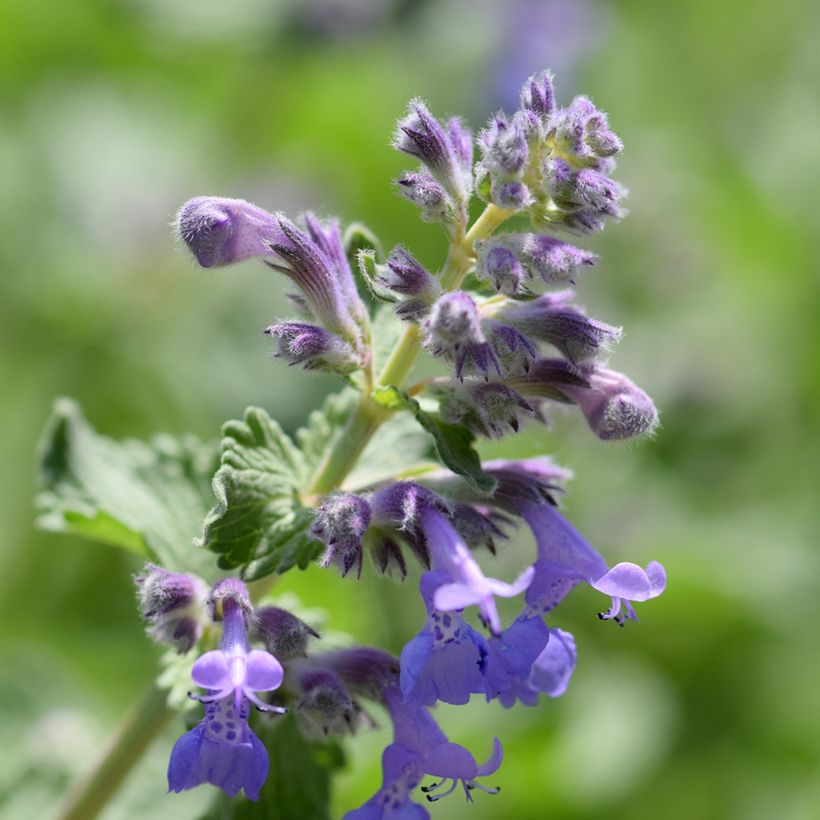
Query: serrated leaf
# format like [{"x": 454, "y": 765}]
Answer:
[
  {"x": 258, "y": 521},
  {"x": 453, "y": 442},
  {"x": 145, "y": 497},
  {"x": 298, "y": 784}
]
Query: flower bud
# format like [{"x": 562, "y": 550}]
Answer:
[
  {"x": 364, "y": 670},
  {"x": 283, "y": 634},
  {"x": 429, "y": 195},
  {"x": 229, "y": 589},
  {"x": 405, "y": 275},
  {"x": 221, "y": 231},
  {"x": 501, "y": 266},
  {"x": 453, "y": 331},
  {"x": 538, "y": 94},
  {"x": 173, "y": 605},
  {"x": 503, "y": 146},
  {"x": 325, "y": 707},
  {"x": 615, "y": 408},
  {"x": 487, "y": 409},
  {"x": 551, "y": 319},
  {"x": 313, "y": 347},
  {"x": 340, "y": 522},
  {"x": 421, "y": 135}
]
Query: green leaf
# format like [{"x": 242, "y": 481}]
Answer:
[
  {"x": 368, "y": 269},
  {"x": 145, "y": 497},
  {"x": 386, "y": 330},
  {"x": 358, "y": 237},
  {"x": 298, "y": 784},
  {"x": 258, "y": 521},
  {"x": 453, "y": 442},
  {"x": 324, "y": 425}
]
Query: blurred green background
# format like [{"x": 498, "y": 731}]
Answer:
[{"x": 116, "y": 111}]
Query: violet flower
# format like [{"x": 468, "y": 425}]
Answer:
[
  {"x": 420, "y": 748},
  {"x": 446, "y": 660},
  {"x": 468, "y": 585},
  {"x": 222, "y": 749},
  {"x": 173, "y": 605},
  {"x": 512, "y": 654},
  {"x": 566, "y": 559}
]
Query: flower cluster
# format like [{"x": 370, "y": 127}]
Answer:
[{"x": 513, "y": 345}]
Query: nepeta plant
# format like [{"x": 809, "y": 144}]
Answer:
[{"x": 385, "y": 476}]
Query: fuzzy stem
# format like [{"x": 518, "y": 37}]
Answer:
[
  {"x": 368, "y": 415},
  {"x": 89, "y": 796}
]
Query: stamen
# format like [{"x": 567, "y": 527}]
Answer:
[
  {"x": 435, "y": 797},
  {"x": 432, "y": 786},
  {"x": 472, "y": 784}
]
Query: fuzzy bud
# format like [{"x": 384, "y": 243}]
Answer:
[
  {"x": 283, "y": 634},
  {"x": 487, "y": 409},
  {"x": 429, "y": 195},
  {"x": 538, "y": 94},
  {"x": 220, "y": 231},
  {"x": 501, "y": 266},
  {"x": 340, "y": 523},
  {"x": 313, "y": 347},
  {"x": 325, "y": 707},
  {"x": 173, "y": 605},
  {"x": 229, "y": 589}
]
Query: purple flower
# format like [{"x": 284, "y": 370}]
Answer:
[
  {"x": 313, "y": 347},
  {"x": 325, "y": 706},
  {"x": 453, "y": 331},
  {"x": 340, "y": 522},
  {"x": 501, "y": 266},
  {"x": 283, "y": 634},
  {"x": 446, "y": 660},
  {"x": 420, "y": 748},
  {"x": 549, "y": 318},
  {"x": 424, "y": 191},
  {"x": 173, "y": 605},
  {"x": 488, "y": 409},
  {"x": 222, "y": 749},
  {"x": 550, "y": 673},
  {"x": 538, "y": 94},
  {"x": 512, "y": 654},
  {"x": 221, "y": 231},
  {"x": 421, "y": 135},
  {"x": 467, "y": 583},
  {"x": 405, "y": 276},
  {"x": 615, "y": 408},
  {"x": 566, "y": 559}
]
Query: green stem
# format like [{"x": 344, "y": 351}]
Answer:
[
  {"x": 368, "y": 416},
  {"x": 145, "y": 721}
]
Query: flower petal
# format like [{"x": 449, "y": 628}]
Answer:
[
  {"x": 262, "y": 671},
  {"x": 183, "y": 767},
  {"x": 451, "y": 760},
  {"x": 493, "y": 762},
  {"x": 506, "y": 590},
  {"x": 657, "y": 578},
  {"x": 625, "y": 580},
  {"x": 456, "y": 596},
  {"x": 553, "y": 668},
  {"x": 211, "y": 671}
]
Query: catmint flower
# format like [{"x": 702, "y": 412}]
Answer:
[
  {"x": 550, "y": 674},
  {"x": 420, "y": 748},
  {"x": 404, "y": 275},
  {"x": 551, "y": 319},
  {"x": 340, "y": 523},
  {"x": 566, "y": 559},
  {"x": 501, "y": 266},
  {"x": 538, "y": 95},
  {"x": 487, "y": 409},
  {"x": 453, "y": 331},
  {"x": 613, "y": 406},
  {"x": 424, "y": 191},
  {"x": 222, "y": 749},
  {"x": 446, "y": 660},
  {"x": 173, "y": 605},
  {"x": 539, "y": 257},
  {"x": 220, "y": 231},
  {"x": 313, "y": 347},
  {"x": 421, "y": 135},
  {"x": 325, "y": 707},
  {"x": 467, "y": 583},
  {"x": 283, "y": 634},
  {"x": 512, "y": 653},
  {"x": 504, "y": 156}
]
